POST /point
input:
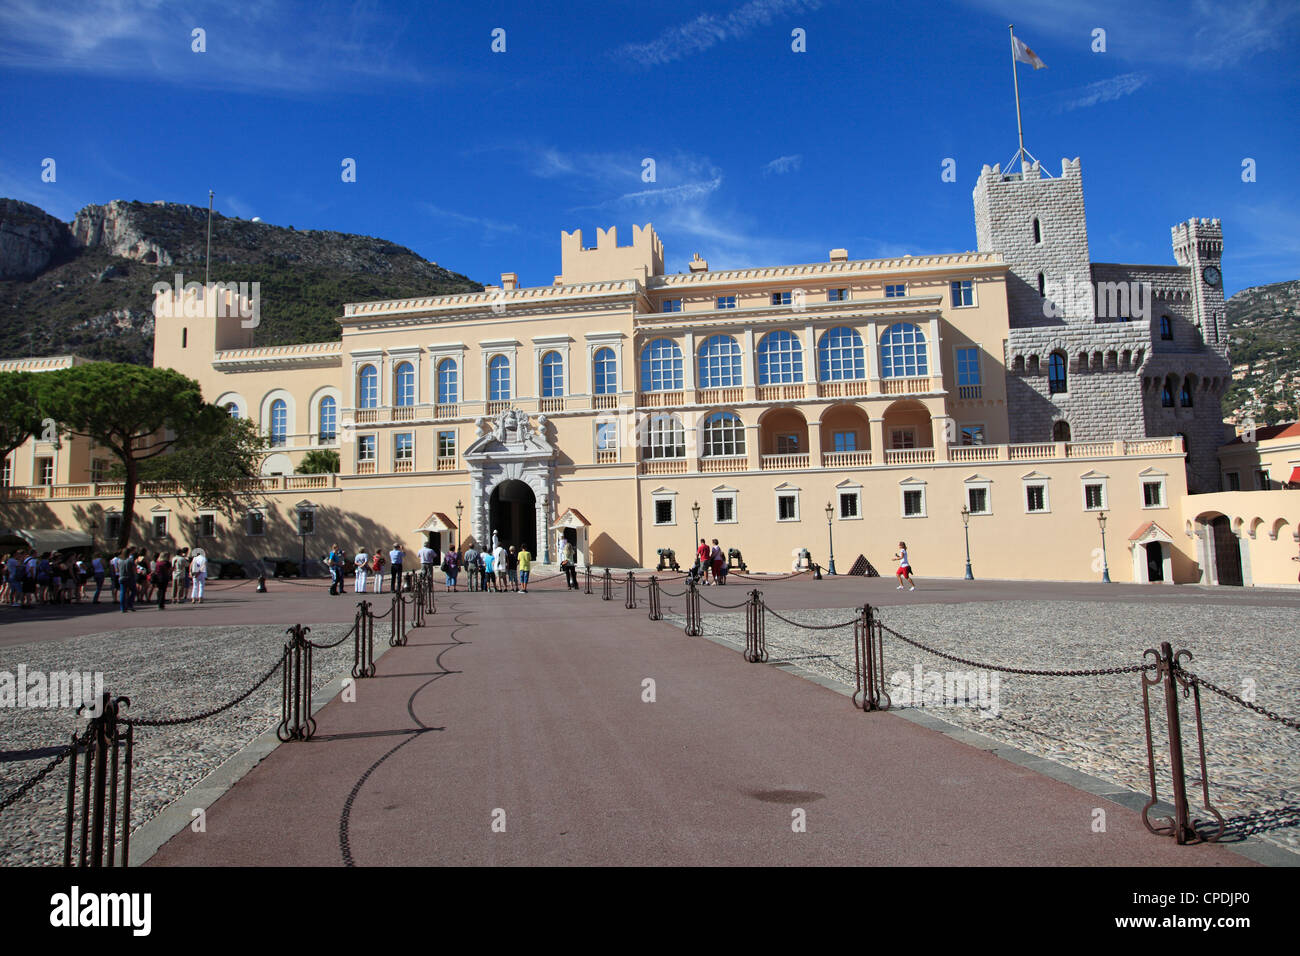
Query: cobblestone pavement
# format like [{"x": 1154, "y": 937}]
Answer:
[
  {"x": 1093, "y": 724},
  {"x": 167, "y": 672}
]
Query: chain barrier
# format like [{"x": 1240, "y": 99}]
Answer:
[
  {"x": 869, "y": 662},
  {"x": 656, "y": 611},
  {"x": 629, "y": 599},
  {"x": 607, "y": 585},
  {"x": 587, "y": 572},
  {"x": 694, "y": 623},
  {"x": 768, "y": 579},
  {"x": 363, "y": 647},
  {"x": 1171, "y": 677},
  {"x": 723, "y": 607},
  {"x": 755, "y": 633},
  {"x": 1095, "y": 672},
  {"x": 811, "y": 627},
  {"x": 211, "y": 712},
  {"x": 296, "y": 722},
  {"x": 40, "y": 775},
  {"x": 1229, "y": 695},
  {"x": 109, "y": 745},
  {"x": 397, "y": 623}
]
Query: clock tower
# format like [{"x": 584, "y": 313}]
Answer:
[{"x": 1198, "y": 245}]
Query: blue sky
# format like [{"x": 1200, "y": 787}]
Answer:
[{"x": 478, "y": 159}]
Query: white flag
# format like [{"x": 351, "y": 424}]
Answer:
[{"x": 1024, "y": 54}]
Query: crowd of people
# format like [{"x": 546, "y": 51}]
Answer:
[
  {"x": 710, "y": 563},
  {"x": 493, "y": 568},
  {"x": 134, "y": 575}
]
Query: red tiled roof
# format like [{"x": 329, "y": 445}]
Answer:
[{"x": 1286, "y": 430}]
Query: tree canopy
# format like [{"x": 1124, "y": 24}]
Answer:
[{"x": 20, "y": 413}]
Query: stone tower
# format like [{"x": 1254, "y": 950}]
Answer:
[{"x": 1095, "y": 350}]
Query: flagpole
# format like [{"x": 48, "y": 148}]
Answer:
[{"x": 1015, "y": 79}]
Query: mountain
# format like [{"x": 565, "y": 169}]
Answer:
[
  {"x": 1264, "y": 344},
  {"x": 85, "y": 287}
]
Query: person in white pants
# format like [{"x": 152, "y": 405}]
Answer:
[
  {"x": 362, "y": 561},
  {"x": 198, "y": 574}
]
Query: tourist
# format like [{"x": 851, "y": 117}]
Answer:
[
  {"x": 126, "y": 580},
  {"x": 198, "y": 575},
  {"x": 470, "y": 558},
  {"x": 14, "y": 578},
  {"x": 337, "y": 558},
  {"x": 512, "y": 568},
  {"x": 97, "y": 571},
  {"x": 396, "y": 559},
  {"x": 428, "y": 561},
  {"x": 525, "y": 565},
  {"x": 904, "y": 571},
  {"x": 180, "y": 564},
  {"x": 162, "y": 573},
  {"x": 569, "y": 565},
  {"x": 489, "y": 571},
  {"x": 377, "y": 562},
  {"x": 362, "y": 563},
  {"x": 719, "y": 562},
  {"x": 702, "y": 561},
  {"x": 451, "y": 567},
  {"x": 499, "y": 561}
]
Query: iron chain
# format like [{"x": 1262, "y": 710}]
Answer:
[
  {"x": 173, "y": 721},
  {"x": 810, "y": 627},
  {"x": 1095, "y": 672},
  {"x": 1271, "y": 715},
  {"x": 41, "y": 775}
]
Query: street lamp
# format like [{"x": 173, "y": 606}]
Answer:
[
  {"x": 695, "y": 510},
  {"x": 830, "y": 534},
  {"x": 1105, "y": 568},
  {"x": 459, "y": 508},
  {"x": 965, "y": 521}
]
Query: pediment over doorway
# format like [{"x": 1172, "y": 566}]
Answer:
[{"x": 511, "y": 436}]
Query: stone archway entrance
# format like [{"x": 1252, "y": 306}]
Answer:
[
  {"x": 512, "y": 514},
  {"x": 1227, "y": 553}
]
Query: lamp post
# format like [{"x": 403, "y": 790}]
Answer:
[
  {"x": 965, "y": 521},
  {"x": 1105, "y": 567},
  {"x": 459, "y": 508},
  {"x": 695, "y": 510},
  {"x": 830, "y": 534}
]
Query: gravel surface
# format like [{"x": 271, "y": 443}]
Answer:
[
  {"x": 167, "y": 672},
  {"x": 1094, "y": 724}
]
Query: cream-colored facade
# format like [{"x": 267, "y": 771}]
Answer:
[{"x": 620, "y": 397}]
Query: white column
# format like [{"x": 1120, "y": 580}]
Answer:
[
  {"x": 748, "y": 360},
  {"x": 809, "y": 353},
  {"x": 688, "y": 367}
]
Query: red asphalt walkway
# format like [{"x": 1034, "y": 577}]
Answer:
[{"x": 528, "y": 709}]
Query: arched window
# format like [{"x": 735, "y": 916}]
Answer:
[
  {"x": 604, "y": 372},
  {"x": 279, "y": 422},
  {"x": 1166, "y": 328},
  {"x": 1056, "y": 380},
  {"x": 664, "y": 437},
  {"x": 841, "y": 356},
  {"x": 327, "y": 419},
  {"x": 1185, "y": 393},
  {"x": 1038, "y": 231},
  {"x": 552, "y": 375},
  {"x": 1061, "y": 431},
  {"x": 724, "y": 434},
  {"x": 498, "y": 379},
  {"x": 903, "y": 352},
  {"x": 1167, "y": 394},
  {"x": 661, "y": 366},
  {"x": 368, "y": 387},
  {"x": 404, "y": 384},
  {"x": 448, "y": 382},
  {"x": 780, "y": 358},
  {"x": 719, "y": 362},
  {"x": 232, "y": 409}
]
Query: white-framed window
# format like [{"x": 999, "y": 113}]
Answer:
[
  {"x": 902, "y": 438},
  {"x": 787, "y": 506},
  {"x": 979, "y": 495},
  {"x": 845, "y": 441},
  {"x": 903, "y": 351},
  {"x": 447, "y": 443},
  {"x": 404, "y": 384},
  {"x": 896, "y": 290},
  {"x": 972, "y": 434},
  {"x": 552, "y": 375},
  {"x": 788, "y": 444},
  {"x": 963, "y": 293},
  {"x": 98, "y": 469},
  {"x": 8, "y": 479},
  {"x": 719, "y": 362},
  {"x": 448, "y": 382},
  {"x": 403, "y": 451},
  {"x": 499, "y": 378},
  {"x": 1036, "y": 495},
  {"x": 1153, "y": 490},
  {"x": 327, "y": 420},
  {"x": 837, "y": 295},
  {"x": 279, "y": 423},
  {"x": 112, "y": 525},
  {"x": 605, "y": 371},
  {"x": 255, "y": 524},
  {"x": 367, "y": 447},
  {"x": 1095, "y": 497},
  {"x": 665, "y": 507},
  {"x": 841, "y": 355},
  {"x": 780, "y": 358},
  {"x": 664, "y": 437},
  {"x": 850, "y": 500},
  {"x": 724, "y": 505},
  {"x": 912, "y": 498},
  {"x": 368, "y": 387},
  {"x": 672, "y": 305},
  {"x": 661, "y": 366},
  {"x": 969, "y": 383},
  {"x": 44, "y": 471},
  {"x": 158, "y": 522},
  {"x": 724, "y": 435},
  {"x": 725, "y": 302},
  {"x": 780, "y": 298},
  {"x": 205, "y": 525},
  {"x": 606, "y": 436}
]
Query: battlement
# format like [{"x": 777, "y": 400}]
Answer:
[{"x": 608, "y": 260}]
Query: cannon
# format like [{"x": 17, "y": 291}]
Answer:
[{"x": 667, "y": 560}]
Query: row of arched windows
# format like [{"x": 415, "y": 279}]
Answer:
[
  {"x": 841, "y": 355},
  {"x": 722, "y": 434},
  {"x": 278, "y": 426},
  {"x": 604, "y": 368}
]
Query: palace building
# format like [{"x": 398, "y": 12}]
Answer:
[{"x": 841, "y": 406}]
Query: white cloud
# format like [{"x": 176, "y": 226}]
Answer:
[
  {"x": 708, "y": 30},
  {"x": 1102, "y": 91},
  {"x": 489, "y": 226},
  {"x": 784, "y": 164}
]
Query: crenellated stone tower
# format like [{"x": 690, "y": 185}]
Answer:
[{"x": 1105, "y": 351}]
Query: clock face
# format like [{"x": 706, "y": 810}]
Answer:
[{"x": 1211, "y": 275}]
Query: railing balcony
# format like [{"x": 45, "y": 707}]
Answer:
[
  {"x": 663, "y": 399},
  {"x": 607, "y": 456},
  {"x": 1031, "y": 452},
  {"x": 497, "y": 407},
  {"x": 368, "y": 416},
  {"x": 447, "y": 410},
  {"x": 905, "y": 386},
  {"x": 554, "y": 403},
  {"x": 663, "y": 466},
  {"x": 604, "y": 401},
  {"x": 728, "y": 395},
  {"x": 970, "y": 391},
  {"x": 404, "y": 413},
  {"x": 782, "y": 462},
  {"x": 1089, "y": 449},
  {"x": 292, "y": 482},
  {"x": 781, "y": 393},
  {"x": 723, "y": 464},
  {"x": 846, "y": 459},
  {"x": 365, "y": 468},
  {"x": 403, "y": 466},
  {"x": 973, "y": 453},
  {"x": 909, "y": 456},
  {"x": 446, "y": 464},
  {"x": 851, "y": 388}
]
